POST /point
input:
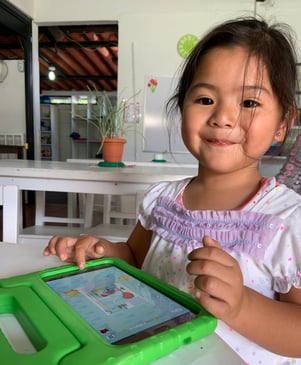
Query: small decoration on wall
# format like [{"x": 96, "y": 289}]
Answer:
[
  {"x": 152, "y": 85},
  {"x": 132, "y": 112},
  {"x": 186, "y": 44},
  {"x": 3, "y": 70}
]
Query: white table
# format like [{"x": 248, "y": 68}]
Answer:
[
  {"x": 20, "y": 259},
  {"x": 268, "y": 165},
  {"x": 86, "y": 178},
  {"x": 89, "y": 178}
]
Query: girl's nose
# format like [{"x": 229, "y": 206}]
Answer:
[{"x": 224, "y": 117}]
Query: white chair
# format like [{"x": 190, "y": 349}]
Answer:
[
  {"x": 122, "y": 209},
  {"x": 11, "y": 212},
  {"x": 114, "y": 208},
  {"x": 125, "y": 209},
  {"x": 114, "y": 232}
]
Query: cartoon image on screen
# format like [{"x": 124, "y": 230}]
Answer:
[
  {"x": 116, "y": 304},
  {"x": 111, "y": 298}
]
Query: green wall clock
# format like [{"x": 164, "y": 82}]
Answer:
[{"x": 186, "y": 44}]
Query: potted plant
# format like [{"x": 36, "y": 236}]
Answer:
[{"x": 109, "y": 118}]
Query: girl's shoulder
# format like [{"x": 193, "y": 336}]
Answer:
[
  {"x": 166, "y": 188},
  {"x": 170, "y": 189},
  {"x": 272, "y": 198},
  {"x": 275, "y": 198}
]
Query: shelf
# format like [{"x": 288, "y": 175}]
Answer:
[
  {"x": 58, "y": 122},
  {"x": 48, "y": 134}
]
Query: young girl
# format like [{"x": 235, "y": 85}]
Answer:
[{"x": 229, "y": 236}]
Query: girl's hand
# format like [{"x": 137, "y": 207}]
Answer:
[
  {"x": 219, "y": 282},
  {"x": 77, "y": 249}
]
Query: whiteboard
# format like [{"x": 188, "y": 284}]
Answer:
[{"x": 160, "y": 135}]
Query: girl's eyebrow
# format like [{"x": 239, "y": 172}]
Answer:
[
  {"x": 202, "y": 84},
  {"x": 258, "y": 88}
]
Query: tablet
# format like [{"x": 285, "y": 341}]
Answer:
[
  {"x": 110, "y": 313},
  {"x": 121, "y": 308}
]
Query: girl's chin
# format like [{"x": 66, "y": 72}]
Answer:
[{"x": 223, "y": 167}]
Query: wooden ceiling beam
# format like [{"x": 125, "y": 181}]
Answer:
[{"x": 85, "y": 44}]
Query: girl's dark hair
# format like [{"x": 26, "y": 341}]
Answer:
[{"x": 272, "y": 45}]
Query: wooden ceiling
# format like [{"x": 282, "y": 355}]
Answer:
[{"x": 83, "y": 56}]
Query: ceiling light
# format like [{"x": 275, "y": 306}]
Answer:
[{"x": 51, "y": 73}]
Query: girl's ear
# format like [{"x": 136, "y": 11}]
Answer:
[
  {"x": 284, "y": 126},
  {"x": 281, "y": 132}
]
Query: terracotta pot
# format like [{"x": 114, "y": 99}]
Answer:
[{"x": 112, "y": 149}]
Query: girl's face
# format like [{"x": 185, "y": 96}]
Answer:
[{"x": 230, "y": 114}]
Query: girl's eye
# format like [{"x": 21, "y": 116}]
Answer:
[
  {"x": 250, "y": 104},
  {"x": 205, "y": 101}
]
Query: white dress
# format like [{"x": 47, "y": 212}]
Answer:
[{"x": 264, "y": 237}]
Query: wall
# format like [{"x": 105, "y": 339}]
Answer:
[
  {"x": 12, "y": 93},
  {"x": 12, "y": 89},
  {"x": 148, "y": 37},
  {"x": 26, "y": 6},
  {"x": 283, "y": 11}
]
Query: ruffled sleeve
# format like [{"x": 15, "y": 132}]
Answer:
[
  {"x": 283, "y": 257},
  {"x": 165, "y": 188}
]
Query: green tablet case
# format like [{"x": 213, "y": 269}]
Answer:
[{"x": 60, "y": 336}]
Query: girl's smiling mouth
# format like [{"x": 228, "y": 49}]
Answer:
[{"x": 220, "y": 142}]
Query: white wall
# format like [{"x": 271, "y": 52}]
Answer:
[
  {"x": 148, "y": 36},
  {"x": 12, "y": 94},
  {"x": 288, "y": 11},
  {"x": 96, "y": 10},
  {"x": 12, "y": 89},
  {"x": 26, "y": 6}
]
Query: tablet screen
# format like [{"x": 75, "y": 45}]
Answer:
[{"x": 120, "y": 307}]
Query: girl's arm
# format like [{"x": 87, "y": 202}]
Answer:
[
  {"x": 274, "y": 325},
  {"x": 82, "y": 248}
]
